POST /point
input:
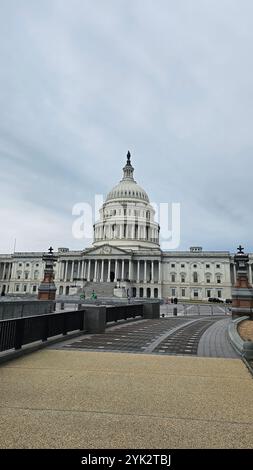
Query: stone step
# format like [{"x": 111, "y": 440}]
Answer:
[{"x": 102, "y": 289}]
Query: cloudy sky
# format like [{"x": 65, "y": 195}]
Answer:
[{"x": 81, "y": 82}]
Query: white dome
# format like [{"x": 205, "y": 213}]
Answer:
[{"x": 127, "y": 189}]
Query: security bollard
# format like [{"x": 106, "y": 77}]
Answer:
[{"x": 175, "y": 311}]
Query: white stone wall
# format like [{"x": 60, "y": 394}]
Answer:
[{"x": 25, "y": 272}]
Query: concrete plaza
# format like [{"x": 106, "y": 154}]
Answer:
[{"x": 81, "y": 399}]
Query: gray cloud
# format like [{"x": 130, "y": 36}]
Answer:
[{"x": 81, "y": 82}]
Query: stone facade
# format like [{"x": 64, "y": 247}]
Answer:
[{"x": 126, "y": 255}]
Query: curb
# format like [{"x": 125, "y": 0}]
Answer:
[{"x": 244, "y": 348}]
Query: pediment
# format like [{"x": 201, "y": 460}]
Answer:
[{"x": 106, "y": 250}]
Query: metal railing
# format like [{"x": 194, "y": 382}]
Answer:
[
  {"x": 20, "y": 331},
  {"x": 194, "y": 309},
  {"x": 123, "y": 312}
]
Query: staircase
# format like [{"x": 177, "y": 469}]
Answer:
[{"x": 101, "y": 289}]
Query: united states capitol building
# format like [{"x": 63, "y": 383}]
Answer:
[{"x": 125, "y": 258}]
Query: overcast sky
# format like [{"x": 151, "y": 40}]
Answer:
[{"x": 81, "y": 82}]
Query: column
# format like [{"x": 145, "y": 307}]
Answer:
[
  {"x": 138, "y": 271},
  {"x": 139, "y": 231},
  {"x": 145, "y": 271},
  {"x": 159, "y": 272},
  {"x": 61, "y": 270},
  {"x": 82, "y": 268},
  {"x": 102, "y": 271},
  {"x": 66, "y": 271},
  {"x": 11, "y": 268},
  {"x": 121, "y": 231},
  {"x": 122, "y": 270},
  {"x": 130, "y": 270},
  {"x": 72, "y": 271},
  {"x": 109, "y": 270},
  {"x": 85, "y": 273},
  {"x": 133, "y": 231},
  {"x": 116, "y": 271},
  {"x": 89, "y": 265},
  {"x": 152, "y": 272},
  {"x": 78, "y": 269},
  {"x": 4, "y": 270},
  {"x": 95, "y": 271}
]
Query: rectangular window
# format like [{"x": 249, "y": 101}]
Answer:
[
  {"x": 173, "y": 292},
  {"x": 218, "y": 266},
  {"x": 182, "y": 265},
  {"x": 219, "y": 293},
  {"x": 207, "y": 266},
  {"x": 196, "y": 293},
  {"x": 17, "y": 288},
  {"x": 208, "y": 293},
  {"x": 182, "y": 279},
  {"x": 208, "y": 280},
  {"x": 26, "y": 275},
  {"x": 24, "y": 288},
  {"x": 173, "y": 266},
  {"x": 183, "y": 292},
  {"x": 173, "y": 278},
  {"x": 34, "y": 288}
]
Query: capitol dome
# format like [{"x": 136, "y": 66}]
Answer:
[
  {"x": 127, "y": 188},
  {"x": 126, "y": 217}
]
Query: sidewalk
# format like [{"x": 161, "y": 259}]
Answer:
[{"x": 79, "y": 399}]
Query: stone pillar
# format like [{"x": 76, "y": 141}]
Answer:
[
  {"x": 85, "y": 269},
  {"x": 95, "y": 271},
  {"x": 159, "y": 272},
  {"x": 102, "y": 271},
  {"x": 72, "y": 271},
  {"x": 139, "y": 231},
  {"x": 47, "y": 288},
  {"x": 145, "y": 271},
  {"x": 121, "y": 231},
  {"x": 4, "y": 270},
  {"x": 66, "y": 270},
  {"x": 122, "y": 270},
  {"x": 152, "y": 272},
  {"x": 130, "y": 270},
  {"x": 116, "y": 271},
  {"x": 138, "y": 271},
  {"x": 133, "y": 231},
  {"x": 242, "y": 293},
  {"x": 234, "y": 273},
  {"x": 89, "y": 266},
  {"x": 109, "y": 270},
  {"x": 62, "y": 270}
]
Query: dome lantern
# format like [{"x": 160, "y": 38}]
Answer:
[{"x": 128, "y": 170}]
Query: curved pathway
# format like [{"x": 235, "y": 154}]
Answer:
[{"x": 202, "y": 336}]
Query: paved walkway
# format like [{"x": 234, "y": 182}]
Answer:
[
  {"x": 80, "y": 399},
  {"x": 197, "y": 335},
  {"x": 215, "y": 342}
]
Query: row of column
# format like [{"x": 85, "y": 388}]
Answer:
[
  {"x": 84, "y": 270},
  {"x": 6, "y": 271},
  {"x": 122, "y": 231}
]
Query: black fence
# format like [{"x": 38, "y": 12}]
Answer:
[
  {"x": 123, "y": 312},
  {"x": 20, "y": 331}
]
